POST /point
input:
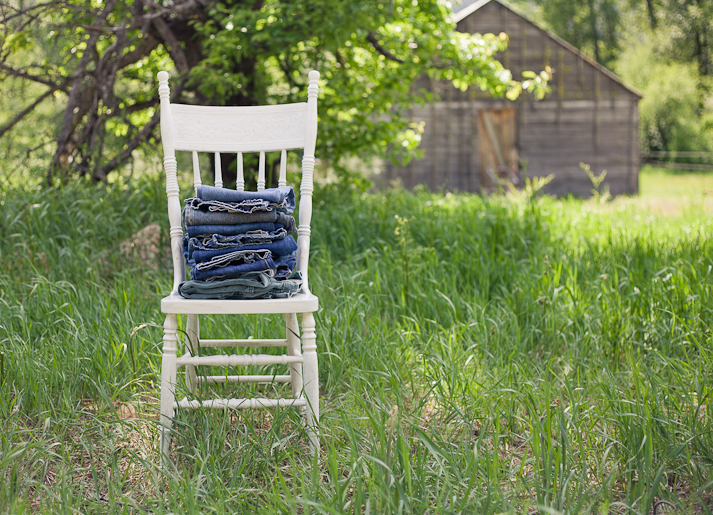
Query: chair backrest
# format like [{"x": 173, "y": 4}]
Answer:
[{"x": 239, "y": 130}]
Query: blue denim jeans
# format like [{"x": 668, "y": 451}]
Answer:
[
  {"x": 251, "y": 285},
  {"x": 240, "y": 261},
  {"x": 246, "y": 206},
  {"x": 283, "y": 247},
  {"x": 230, "y": 271},
  {"x": 220, "y": 241},
  {"x": 232, "y": 234},
  {"x": 231, "y": 230},
  {"x": 197, "y": 217},
  {"x": 284, "y": 196},
  {"x": 239, "y": 257}
]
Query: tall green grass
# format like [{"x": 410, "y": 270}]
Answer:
[{"x": 477, "y": 355}]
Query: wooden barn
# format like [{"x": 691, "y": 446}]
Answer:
[{"x": 472, "y": 140}]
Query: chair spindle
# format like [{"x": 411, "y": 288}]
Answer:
[
  {"x": 261, "y": 173},
  {"x": 218, "y": 171},
  {"x": 196, "y": 172},
  {"x": 283, "y": 169},
  {"x": 240, "y": 182}
]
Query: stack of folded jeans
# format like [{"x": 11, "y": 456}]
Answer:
[{"x": 238, "y": 246}]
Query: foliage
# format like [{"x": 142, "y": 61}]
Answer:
[
  {"x": 555, "y": 359},
  {"x": 662, "y": 47},
  {"x": 597, "y": 180},
  {"x": 593, "y": 26},
  {"x": 101, "y": 60},
  {"x": 688, "y": 29},
  {"x": 670, "y": 112}
]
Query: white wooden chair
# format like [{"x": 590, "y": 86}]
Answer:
[{"x": 238, "y": 130}]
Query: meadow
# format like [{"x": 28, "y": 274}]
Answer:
[{"x": 478, "y": 355}]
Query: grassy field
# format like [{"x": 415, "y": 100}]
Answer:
[{"x": 477, "y": 355}]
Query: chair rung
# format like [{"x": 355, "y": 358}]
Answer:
[
  {"x": 241, "y": 403},
  {"x": 244, "y": 379},
  {"x": 244, "y": 343},
  {"x": 239, "y": 360}
]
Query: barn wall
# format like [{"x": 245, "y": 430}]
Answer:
[
  {"x": 588, "y": 117},
  {"x": 599, "y": 134},
  {"x": 550, "y": 140}
]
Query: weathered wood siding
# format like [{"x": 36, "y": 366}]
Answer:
[{"x": 589, "y": 117}]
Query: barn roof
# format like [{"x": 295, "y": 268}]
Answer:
[{"x": 467, "y": 7}]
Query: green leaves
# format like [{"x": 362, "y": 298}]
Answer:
[
  {"x": 240, "y": 52},
  {"x": 369, "y": 54}
]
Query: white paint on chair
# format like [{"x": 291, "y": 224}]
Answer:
[
  {"x": 170, "y": 167},
  {"x": 218, "y": 171},
  {"x": 240, "y": 181},
  {"x": 261, "y": 172},
  {"x": 283, "y": 169},
  {"x": 196, "y": 172},
  {"x": 240, "y": 129}
]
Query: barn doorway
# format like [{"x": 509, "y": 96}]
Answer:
[{"x": 497, "y": 138}]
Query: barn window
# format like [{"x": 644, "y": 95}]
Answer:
[{"x": 497, "y": 138}]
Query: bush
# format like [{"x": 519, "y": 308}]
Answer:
[{"x": 673, "y": 109}]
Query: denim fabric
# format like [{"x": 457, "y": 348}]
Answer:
[
  {"x": 235, "y": 263},
  {"x": 281, "y": 247},
  {"x": 284, "y": 265},
  {"x": 251, "y": 285},
  {"x": 231, "y": 230},
  {"x": 239, "y": 257},
  {"x": 246, "y": 206},
  {"x": 284, "y": 196},
  {"x": 237, "y": 243},
  {"x": 197, "y": 217},
  {"x": 218, "y": 241},
  {"x": 231, "y": 271}
]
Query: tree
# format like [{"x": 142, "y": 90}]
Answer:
[
  {"x": 103, "y": 58},
  {"x": 593, "y": 26},
  {"x": 688, "y": 25}
]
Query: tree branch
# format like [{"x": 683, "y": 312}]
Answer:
[
  {"x": 139, "y": 106},
  {"x": 652, "y": 13},
  {"x": 19, "y": 116},
  {"x": 161, "y": 13},
  {"x": 371, "y": 38},
  {"x": 132, "y": 145},
  {"x": 288, "y": 73},
  {"x": 173, "y": 46},
  {"x": 22, "y": 12},
  {"x": 20, "y": 73},
  {"x": 68, "y": 123},
  {"x": 141, "y": 51}
]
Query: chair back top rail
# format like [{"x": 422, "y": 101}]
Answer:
[
  {"x": 216, "y": 129},
  {"x": 239, "y": 129}
]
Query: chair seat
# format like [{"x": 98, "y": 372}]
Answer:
[{"x": 299, "y": 303}]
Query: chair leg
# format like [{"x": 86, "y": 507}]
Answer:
[
  {"x": 168, "y": 381},
  {"x": 311, "y": 378},
  {"x": 192, "y": 344},
  {"x": 293, "y": 349}
]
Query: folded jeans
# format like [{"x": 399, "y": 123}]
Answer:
[
  {"x": 251, "y": 285},
  {"x": 283, "y": 196},
  {"x": 230, "y": 230},
  {"x": 230, "y": 271},
  {"x": 197, "y": 217},
  {"x": 239, "y": 257},
  {"x": 238, "y": 262},
  {"x": 281, "y": 247},
  {"x": 219, "y": 241}
]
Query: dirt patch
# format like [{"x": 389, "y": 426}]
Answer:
[{"x": 146, "y": 246}]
